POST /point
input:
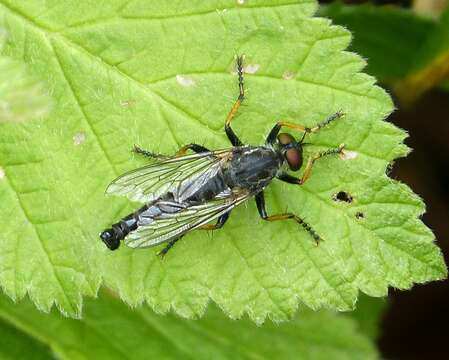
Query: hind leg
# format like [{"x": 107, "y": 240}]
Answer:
[
  {"x": 260, "y": 202},
  {"x": 170, "y": 244},
  {"x": 219, "y": 224}
]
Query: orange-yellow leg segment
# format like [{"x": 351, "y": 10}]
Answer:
[
  {"x": 220, "y": 222},
  {"x": 314, "y": 158},
  {"x": 194, "y": 147}
]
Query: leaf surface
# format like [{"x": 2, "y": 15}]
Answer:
[
  {"x": 111, "y": 330},
  {"x": 22, "y": 95},
  {"x": 161, "y": 75}
]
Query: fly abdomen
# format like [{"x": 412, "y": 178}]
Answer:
[
  {"x": 144, "y": 216},
  {"x": 111, "y": 237}
]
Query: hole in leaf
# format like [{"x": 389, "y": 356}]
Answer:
[
  {"x": 359, "y": 215},
  {"x": 343, "y": 196}
]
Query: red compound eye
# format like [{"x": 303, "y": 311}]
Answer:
[
  {"x": 293, "y": 156},
  {"x": 294, "y": 159}
]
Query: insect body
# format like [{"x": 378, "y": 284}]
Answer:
[{"x": 186, "y": 192}]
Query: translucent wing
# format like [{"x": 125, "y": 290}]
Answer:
[
  {"x": 180, "y": 176},
  {"x": 173, "y": 224}
]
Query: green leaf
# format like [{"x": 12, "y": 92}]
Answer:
[
  {"x": 22, "y": 95},
  {"x": 118, "y": 72},
  {"x": 111, "y": 330},
  {"x": 387, "y": 36}
]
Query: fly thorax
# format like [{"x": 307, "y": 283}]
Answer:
[{"x": 252, "y": 168}]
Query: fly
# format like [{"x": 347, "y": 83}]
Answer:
[{"x": 185, "y": 192}]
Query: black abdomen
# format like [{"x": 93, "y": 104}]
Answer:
[{"x": 111, "y": 237}]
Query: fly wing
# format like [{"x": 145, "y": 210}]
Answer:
[
  {"x": 172, "y": 225},
  {"x": 179, "y": 176}
]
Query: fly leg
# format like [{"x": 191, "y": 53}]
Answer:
[
  {"x": 167, "y": 247},
  {"x": 235, "y": 141},
  {"x": 220, "y": 222},
  {"x": 299, "y": 181},
  {"x": 138, "y": 150},
  {"x": 194, "y": 147},
  {"x": 271, "y": 138},
  {"x": 260, "y": 202}
]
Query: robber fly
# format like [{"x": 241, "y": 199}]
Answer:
[{"x": 186, "y": 192}]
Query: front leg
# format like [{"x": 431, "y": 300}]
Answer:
[
  {"x": 260, "y": 202},
  {"x": 271, "y": 138},
  {"x": 299, "y": 181}
]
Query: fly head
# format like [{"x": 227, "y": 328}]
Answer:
[{"x": 292, "y": 150}]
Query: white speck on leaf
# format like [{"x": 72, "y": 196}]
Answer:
[
  {"x": 2, "y": 173},
  {"x": 240, "y": 2},
  {"x": 185, "y": 80},
  {"x": 251, "y": 68},
  {"x": 288, "y": 75},
  {"x": 79, "y": 138},
  {"x": 126, "y": 103},
  {"x": 348, "y": 154}
]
